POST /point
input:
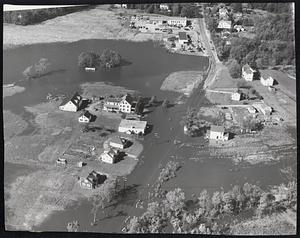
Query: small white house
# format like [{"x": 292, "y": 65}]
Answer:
[
  {"x": 218, "y": 133},
  {"x": 163, "y": 7},
  {"x": 264, "y": 108},
  {"x": 71, "y": 105},
  {"x": 266, "y": 79},
  {"x": 247, "y": 72},
  {"x": 224, "y": 24},
  {"x": 85, "y": 117},
  {"x": 110, "y": 156},
  {"x": 251, "y": 109},
  {"x": 118, "y": 142},
  {"x": 236, "y": 96},
  {"x": 182, "y": 38},
  {"x": 132, "y": 126}
]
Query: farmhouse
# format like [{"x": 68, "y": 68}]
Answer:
[
  {"x": 218, "y": 133},
  {"x": 71, "y": 105},
  {"x": 266, "y": 79},
  {"x": 92, "y": 180},
  {"x": 164, "y": 7},
  {"x": 126, "y": 104},
  {"x": 182, "y": 38},
  {"x": 248, "y": 72},
  {"x": 110, "y": 156},
  {"x": 224, "y": 24},
  {"x": 85, "y": 117},
  {"x": 236, "y": 96},
  {"x": 118, "y": 142},
  {"x": 180, "y": 22},
  {"x": 112, "y": 105},
  {"x": 132, "y": 126}
]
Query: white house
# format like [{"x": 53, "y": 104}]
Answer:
[
  {"x": 236, "y": 96},
  {"x": 118, "y": 142},
  {"x": 218, "y": 133},
  {"x": 132, "y": 126},
  {"x": 239, "y": 28},
  {"x": 251, "y": 109},
  {"x": 112, "y": 105},
  {"x": 124, "y": 5},
  {"x": 110, "y": 156},
  {"x": 223, "y": 13},
  {"x": 224, "y": 24},
  {"x": 264, "y": 108},
  {"x": 164, "y": 7},
  {"x": 126, "y": 104},
  {"x": 182, "y": 38},
  {"x": 85, "y": 117},
  {"x": 266, "y": 79},
  {"x": 180, "y": 22},
  {"x": 247, "y": 72},
  {"x": 71, "y": 105},
  {"x": 92, "y": 180}
]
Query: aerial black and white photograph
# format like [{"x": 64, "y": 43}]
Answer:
[{"x": 170, "y": 118}]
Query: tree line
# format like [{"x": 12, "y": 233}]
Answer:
[{"x": 27, "y": 17}]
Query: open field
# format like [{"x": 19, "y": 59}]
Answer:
[
  {"x": 98, "y": 23},
  {"x": 10, "y": 91},
  {"x": 182, "y": 82},
  {"x": 13, "y": 125}
]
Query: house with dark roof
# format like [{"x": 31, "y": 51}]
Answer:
[
  {"x": 248, "y": 72},
  {"x": 218, "y": 133},
  {"x": 85, "y": 117},
  {"x": 72, "y": 104},
  {"x": 111, "y": 156},
  {"x": 93, "y": 180},
  {"x": 182, "y": 37}
]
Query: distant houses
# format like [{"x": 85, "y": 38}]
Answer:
[
  {"x": 72, "y": 104},
  {"x": 164, "y": 7},
  {"x": 224, "y": 24},
  {"x": 266, "y": 79},
  {"x": 120, "y": 5},
  {"x": 85, "y": 117},
  {"x": 218, "y": 133},
  {"x": 132, "y": 126},
  {"x": 248, "y": 72}
]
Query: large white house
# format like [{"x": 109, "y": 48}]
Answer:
[
  {"x": 180, "y": 22},
  {"x": 218, "y": 133},
  {"x": 110, "y": 156},
  {"x": 132, "y": 126},
  {"x": 71, "y": 105},
  {"x": 224, "y": 24},
  {"x": 247, "y": 72},
  {"x": 125, "y": 104},
  {"x": 266, "y": 79}
]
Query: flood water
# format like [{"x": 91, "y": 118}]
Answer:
[{"x": 150, "y": 65}]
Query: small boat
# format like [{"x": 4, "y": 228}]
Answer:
[{"x": 90, "y": 69}]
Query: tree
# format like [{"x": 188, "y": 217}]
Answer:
[
  {"x": 265, "y": 204},
  {"x": 88, "y": 59},
  {"x": 217, "y": 201},
  {"x": 174, "y": 201},
  {"x": 176, "y": 9},
  {"x": 234, "y": 68},
  {"x": 110, "y": 59},
  {"x": 237, "y": 7},
  {"x": 39, "y": 69}
]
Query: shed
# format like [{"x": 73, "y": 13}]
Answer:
[{"x": 218, "y": 133}]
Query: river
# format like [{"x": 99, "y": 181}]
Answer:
[{"x": 150, "y": 65}]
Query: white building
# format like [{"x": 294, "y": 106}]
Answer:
[
  {"x": 236, "y": 96},
  {"x": 266, "y": 79},
  {"x": 264, "y": 108},
  {"x": 251, "y": 109},
  {"x": 85, "y": 117},
  {"x": 223, "y": 13},
  {"x": 164, "y": 7},
  {"x": 110, "y": 156},
  {"x": 132, "y": 126},
  {"x": 125, "y": 104},
  {"x": 112, "y": 105},
  {"x": 218, "y": 133},
  {"x": 71, "y": 105},
  {"x": 118, "y": 142},
  {"x": 239, "y": 28},
  {"x": 180, "y": 22},
  {"x": 182, "y": 38},
  {"x": 224, "y": 24},
  {"x": 247, "y": 72}
]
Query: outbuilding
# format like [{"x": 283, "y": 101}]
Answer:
[
  {"x": 236, "y": 96},
  {"x": 72, "y": 104},
  {"x": 85, "y": 117},
  {"x": 248, "y": 72},
  {"x": 110, "y": 156},
  {"x": 224, "y": 24},
  {"x": 266, "y": 79},
  {"x": 132, "y": 126},
  {"x": 93, "y": 180},
  {"x": 118, "y": 142},
  {"x": 182, "y": 38}
]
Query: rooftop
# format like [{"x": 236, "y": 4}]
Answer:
[
  {"x": 118, "y": 140},
  {"x": 182, "y": 35},
  {"x": 217, "y": 128},
  {"x": 248, "y": 69},
  {"x": 265, "y": 74},
  {"x": 76, "y": 99},
  {"x": 133, "y": 124}
]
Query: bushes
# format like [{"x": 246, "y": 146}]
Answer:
[{"x": 38, "y": 69}]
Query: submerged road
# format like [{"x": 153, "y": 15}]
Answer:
[{"x": 157, "y": 150}]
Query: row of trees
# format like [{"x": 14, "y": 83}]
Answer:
[
  {"x": 173, "y": 209},
  {"x": 27, "y": 17},
  {"x": 108, "y": 59},
  {"x": 189, "y": 10}
]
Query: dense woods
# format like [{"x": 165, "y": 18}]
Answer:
[
  {"x": 27, "y": 17},
  {"x": 274, "y": 36},
  {"x": 108, "y": 59}
]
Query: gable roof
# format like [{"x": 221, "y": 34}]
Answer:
[
  {"x": 133, "y": 124},
  {"x": 248, "y": 69},
  {"x": 118, "y": 140},
  {"x": 265, "y": 74},
  {"x": 127, "y": 98},
  {"x": 86, "y": 114},
  {"x": 217, "y": 128},
  {"x": 182, "y": 35},
  {"x": 75, "y": 99}
]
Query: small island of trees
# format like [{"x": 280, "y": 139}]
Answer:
[{"x": 108, "y": 59}]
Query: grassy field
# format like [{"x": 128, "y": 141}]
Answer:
[
  {"x": 182, "y": 82},
  {"x": 98, "y": 23}
]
